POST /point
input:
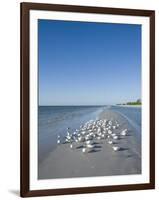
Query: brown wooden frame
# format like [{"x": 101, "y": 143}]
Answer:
[{"x": 24, "y": 148}]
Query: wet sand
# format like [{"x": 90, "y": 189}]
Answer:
[{"x": 64, "y": 162}]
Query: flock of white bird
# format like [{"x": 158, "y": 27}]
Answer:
[{"x": 91, "y": 131}]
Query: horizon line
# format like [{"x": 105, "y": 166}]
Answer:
[{"x": 80, "y": 105}]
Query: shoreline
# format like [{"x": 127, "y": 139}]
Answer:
[
  {"x": 129, "y": 106},
  {"x": 64, "y": 162}
]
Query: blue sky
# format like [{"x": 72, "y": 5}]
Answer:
[{"x": 82, "y": 63}]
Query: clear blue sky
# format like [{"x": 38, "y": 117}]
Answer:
[{"x": 82, "y": 63}]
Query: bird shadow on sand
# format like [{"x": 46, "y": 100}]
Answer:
[
  {"x": 129, "y": 156},
  {"x": 94, "y": 151},
  {"x": 123, "y": 149},
  {"x": 120, "y": 138},
  {"x": 94, "y": 143},
  {"x": 98, "y": 146},
  {"x": 114, "y": 142},
  {"x": 79, "y": 147},
  {"x": 65, "y": 143}
]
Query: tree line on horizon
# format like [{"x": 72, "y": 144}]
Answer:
[{"x": 137, "y": 102}]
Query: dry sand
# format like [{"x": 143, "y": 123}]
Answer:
[{"x": 64, "y": 162}]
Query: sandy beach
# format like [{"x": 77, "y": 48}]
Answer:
[{"x": 64, "y": 162}]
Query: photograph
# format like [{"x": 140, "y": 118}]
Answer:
[{"x": 89, "y": 99}]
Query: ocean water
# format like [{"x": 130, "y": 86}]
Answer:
[
  {"x": 54, "y": 120},
  {"x": 132, "y": 115}
]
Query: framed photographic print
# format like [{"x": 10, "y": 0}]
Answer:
[{"x": 87, "y": 99}]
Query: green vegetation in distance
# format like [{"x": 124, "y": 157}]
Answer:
[{"x": 138, "y": 102}]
